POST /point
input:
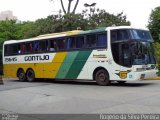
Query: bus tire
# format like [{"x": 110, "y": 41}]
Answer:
[
  {"x": 30, "y": 75},
  {"x": 21, "y": 75},
  {"x": 102, "y": 77}
]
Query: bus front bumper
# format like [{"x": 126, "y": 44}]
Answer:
[{"x": 148, "y": 74}]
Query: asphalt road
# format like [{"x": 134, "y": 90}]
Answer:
[{"x": 79, "y": 97}]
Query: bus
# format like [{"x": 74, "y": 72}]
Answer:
[{"x": 119, "y": 53}]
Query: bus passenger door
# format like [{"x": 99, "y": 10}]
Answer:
[
  {"x": 124, "y": 55},
  {"x": 124, "y": 60}
]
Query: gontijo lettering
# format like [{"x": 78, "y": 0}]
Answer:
[{"x": 36, "y": 58}]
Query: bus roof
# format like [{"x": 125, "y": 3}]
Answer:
[
  {"x": 124, "y": 27},
  {"x": 68, "y": 33}
]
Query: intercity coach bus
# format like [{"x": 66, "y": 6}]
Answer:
[{"x": 121, "y": 54}]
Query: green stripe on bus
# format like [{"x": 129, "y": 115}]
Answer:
[
  {"x": 68, "y": 61},
  {"x": 78, "y": 64}
]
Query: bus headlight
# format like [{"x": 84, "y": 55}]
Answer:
[
  {"x": 140, "y": 69},
  {"x": 153, "y": 67}
]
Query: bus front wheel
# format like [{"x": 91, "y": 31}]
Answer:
[
  {"x": 30, "y": 75},
  {"x": 21, "y": 75},
  {"x": 102, "y": 77}
]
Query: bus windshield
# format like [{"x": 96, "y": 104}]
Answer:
[
  {"x": 142, "y": 53},
  {"x": 140, "y": 35},
  {"x": 132, "y": 47}
]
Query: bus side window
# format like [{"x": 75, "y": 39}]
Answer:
[
  {"x": 113, "y": 36},
  {"x": 14, "y": 49},
  {"x": 52, "y": 45},
  {"x": 42, "y": 46},
  {"x": 60, "y": 44},
  {"x": 29, "y": 47},
  {"x": 36, "y": 46},
  {"x": 22, "y": 48},
  {"x": 117, "y": 35},
  {"x": 6, "y": 50},
  {"x": 91, "y": 41},
  {"x": 18, "y": 48},
  {"x": 122, "y": 35},
  {"x": 80, "y": 42},
  {"x": 102, "y": 40},
  {"x": 70, "y": 43}
]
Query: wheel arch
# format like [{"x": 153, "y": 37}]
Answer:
[
  {"x": 30, "y": 69},
  {"x": 99, "y": 68}
]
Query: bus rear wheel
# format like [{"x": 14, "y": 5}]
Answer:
[
  {"x": 102, "y": 77},
  {"x": 30, "y": 75},
  {"x": 21, "y": 75}
]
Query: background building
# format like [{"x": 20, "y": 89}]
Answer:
[{"x": 7, "y": 15}]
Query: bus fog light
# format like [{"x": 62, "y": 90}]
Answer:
[{"x": 142, "y": 76}]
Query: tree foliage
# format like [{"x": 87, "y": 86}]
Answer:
[
  {"x": 101, "y": 18},
  {"x": 154, "y": 27},
  {"x": 157, "y": 51},
  {"x": 8, "y": 30},
  {"x": 154, "y": 23}
]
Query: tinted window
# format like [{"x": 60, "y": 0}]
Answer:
[
  {"x": 35, "y": 46},
  {"x": 91, "y": 41},
  {"x": 13, "y": 49},
  {"x": 80, "y": 42},
  {"x": 22, "y": 48},
  {"x": 6, "y": 50},
  {"x": 60, "y": 44},
  {"x": 18, "y": 49},
  {"x": 70, "y": 43},
  {"x": 117, "y": 35},
  {"x": 102, "y": 40},
  {"x": 140, "y": 34},
  {"x": 43, "y": 46},
  {"x": 52, "y": 45},
  {"x": 29, "y": 47}
]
